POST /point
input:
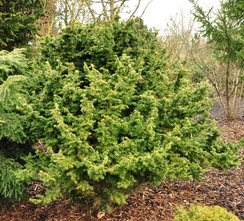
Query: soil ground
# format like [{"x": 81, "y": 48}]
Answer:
[{"x": 225, "y": 189}]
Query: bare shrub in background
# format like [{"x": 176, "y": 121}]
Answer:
[{"x": 183, "y": 42}]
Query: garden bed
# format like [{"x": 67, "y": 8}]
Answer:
[{"x": 225, "y": 189}]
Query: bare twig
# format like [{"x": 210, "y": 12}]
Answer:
[{"x": 145, "y": 8}]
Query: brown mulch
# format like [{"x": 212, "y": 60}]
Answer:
[{"x": 225, "y": 189}]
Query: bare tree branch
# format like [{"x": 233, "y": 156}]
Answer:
[
  {"x": 145, "y": 8},
  {"x": 138, "y": 5}
]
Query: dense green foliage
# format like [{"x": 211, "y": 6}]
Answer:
[
  {"x": 12, "y": 65},
  {"x": 204, "y": 213},
  {"x": 235, "y": 10},
  {"x": 10, "y": 188},
  {"x": 18, "y": 22},
  {"x": 115, "y": 118},
  {"x": 13, "y": 76}
]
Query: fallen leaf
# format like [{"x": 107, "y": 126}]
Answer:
[{"x": 100, "y": 214}]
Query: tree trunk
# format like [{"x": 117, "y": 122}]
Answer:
[
  {"x": 111, "y": 10},
  {"x": 227, "y": 91},
  {"x": 66, "y": 13}
]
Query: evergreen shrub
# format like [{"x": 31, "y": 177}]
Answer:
[
  {"x": 12, "y": 65},
  {"x": 204, "y": 213},
  {"x": 19, "y": 21},
  {"x": 10, "y": 189},
  {"x": 12, "y": 70},
  {"x": 113, "y": 116}
]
